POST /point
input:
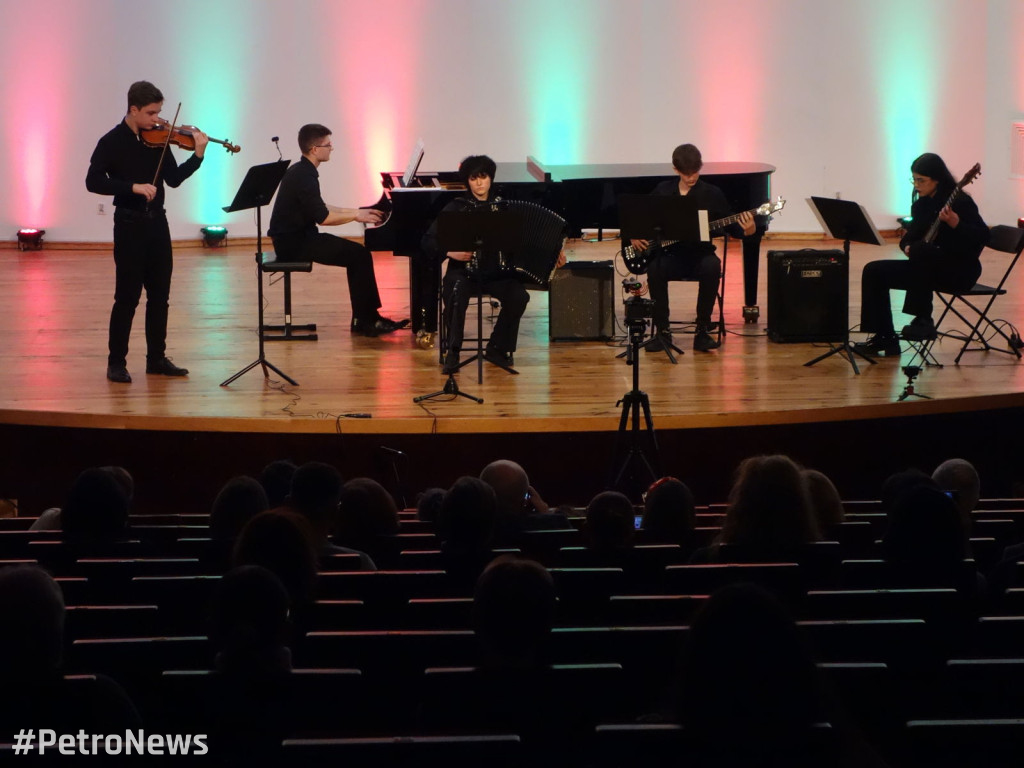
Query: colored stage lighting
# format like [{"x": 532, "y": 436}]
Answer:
[
  {"x": 214, "y": 237},
  {"x": 30, "y": 239}
]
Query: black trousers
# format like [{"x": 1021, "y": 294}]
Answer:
[
  {"x": 458, "y": 288},
  {"x": 928, "y": 268},
  {"x": 681, "y": 263},
  {"x": 334, "y": 251},
  {"x": 142, "y": 259}
]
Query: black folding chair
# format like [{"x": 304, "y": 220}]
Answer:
[{"x": 968, "y": 304}]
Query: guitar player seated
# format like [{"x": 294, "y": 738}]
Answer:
[
  {"x": 689, "y": 261},
  {"x": 943, "y": 243}
]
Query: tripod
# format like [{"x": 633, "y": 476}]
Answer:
[
  {"x": 451, "y": 387},
  {"x": 911, "y": 372},
  {"x": 632, "y": 402},
  {"x": 258, "y": 187}
]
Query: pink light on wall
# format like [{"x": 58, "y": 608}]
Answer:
[
  {"x": 728, "y": 95},
  {"x": 375, "y": 73},
  {"x": 34, "y": 102}
]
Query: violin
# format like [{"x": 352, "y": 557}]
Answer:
[{"x": 181, "y": 136}]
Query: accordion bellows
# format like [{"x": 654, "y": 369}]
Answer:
[{"x": 542, "y": 237}]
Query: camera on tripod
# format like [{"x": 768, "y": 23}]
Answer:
[{"x": 638, "y": 309}]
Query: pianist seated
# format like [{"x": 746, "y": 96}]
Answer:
[
  {"x": 298, "y": 212},
  {"x": 461, "y": 281}
]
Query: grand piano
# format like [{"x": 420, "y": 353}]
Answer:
[{"x": 585, "y": 195}]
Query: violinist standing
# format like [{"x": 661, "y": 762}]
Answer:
[{"x": 125, "y": 167}]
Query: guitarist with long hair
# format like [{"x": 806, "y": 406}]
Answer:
[
  {"x": 943, "y": 243},
  {"x": 689, "y": 261}
]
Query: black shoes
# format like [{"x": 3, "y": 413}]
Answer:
[
  {"x": 705, "y": 342},
  {"x": 920, "y": 329},
  {"x": 377, "y": 326},
  {"x": 162, "y": 367},
  {"x": 879, "y": 344},
  {"x": 493, "y": 355},
  {"x": 119, "y": 373}
]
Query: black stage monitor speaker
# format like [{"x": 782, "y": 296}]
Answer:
[
  {"x": 808, "y": 296},
  {"x": 581, "y": 305}
]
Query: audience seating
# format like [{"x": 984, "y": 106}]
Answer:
[
  {"x": 392, "y": 652},
  {"x": 497, "y": 750}
]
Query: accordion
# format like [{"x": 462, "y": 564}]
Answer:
[{"x": 533, "y": 258}]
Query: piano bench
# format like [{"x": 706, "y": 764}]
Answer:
[{"x": 270, "y": 264}]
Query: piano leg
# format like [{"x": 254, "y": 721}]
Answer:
[{"x": 751, "y": 264}]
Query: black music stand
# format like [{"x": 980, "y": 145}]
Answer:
[
  {"x": 844, "y": 220},
  {"x": 257, "y": 189},
  {"x": 657, "y": 218},
  {"x": 478, "y": 231}
]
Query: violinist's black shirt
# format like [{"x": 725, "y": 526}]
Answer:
[{"x": 121, "y": 160}]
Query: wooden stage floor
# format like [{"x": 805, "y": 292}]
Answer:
[{"x": 53, "y": 350}]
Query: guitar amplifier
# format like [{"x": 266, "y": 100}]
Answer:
[
  {"x": 808, "y": 296},
  {"x": 581, "y": 304}
]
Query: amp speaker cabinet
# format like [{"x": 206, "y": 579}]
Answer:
[
  {"x": 808, "y": 296},
  {"x": 581, "y": 304}
]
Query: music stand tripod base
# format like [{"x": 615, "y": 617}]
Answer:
[
  {"x": 451, "y": 387},
  {"x": 846, "y": 349}
]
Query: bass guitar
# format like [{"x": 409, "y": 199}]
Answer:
[{"x": 637, "y": 260}]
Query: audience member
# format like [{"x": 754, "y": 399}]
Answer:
[
  {"x": 610, "y": 523},
  {"x": 315, "y": 493},
  {"x": 750, "y": 693},
  {"x": 465, "y": 526},
  {"x": 35, "y": 693},
  {"x": 276, "y": 479},
  {"x": 826, "y": 506},
  {"x": 669, "y": 516},
  {"x": 96, "y": 505},
  {"x": 520, "y": 506},
  {"x": 240, "y": 500},
  {"x": 281, "y": 541},
  {"x": 249, "y": 706},
  {"x": 926, "y": 544},
  {"x": 250, "y": 624},
  {"x": 768, "y": 517},
  {"x": 901, "y": 482},
  {"x": 960, "y": 478},
  {"x": 513, "y": 688},
  {"x": 366, "y": 514},
  {"x": 428, "y": 504},
  {"x": 513, "y": 613},
  {"x": 52, "y": 519}
]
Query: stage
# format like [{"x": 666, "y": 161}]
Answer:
[{"x": 560, "y": 413}]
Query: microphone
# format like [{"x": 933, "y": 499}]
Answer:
[{"x": 275, "y": 139}]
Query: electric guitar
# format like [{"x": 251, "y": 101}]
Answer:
[
  {"x": 637, "y": 260},
  {"x": 970, "y": 176}
]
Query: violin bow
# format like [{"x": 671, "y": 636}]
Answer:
[{"x": 163, "y": 152}]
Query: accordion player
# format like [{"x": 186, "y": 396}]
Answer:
[{"x": 500, "y": 273}]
